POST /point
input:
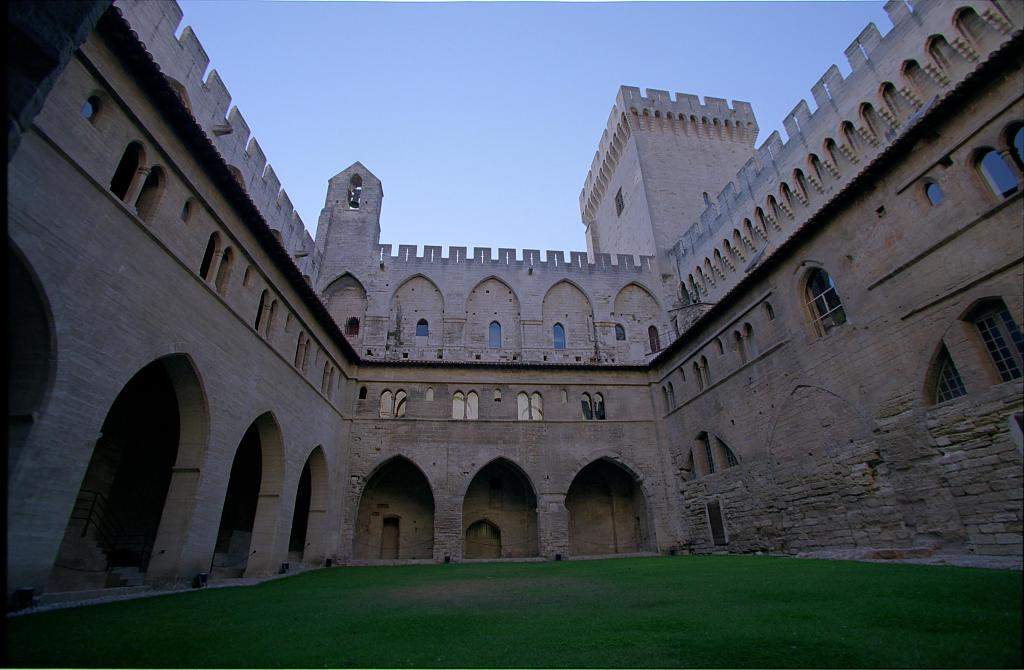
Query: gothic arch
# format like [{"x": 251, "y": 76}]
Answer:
[
  {"x": 609, "y": 509},
  {"x": 309, "y": 528},
  {"x": 345, "y": 298},
  {"x": 395, "y": 514},
  {"x": 502, "y": 494},
  {"x": 482, "y": 308},
  {"x": 567, "y": 304},
  {"x": 636, "y": 307},
  {"x": 422, "y": 300}
]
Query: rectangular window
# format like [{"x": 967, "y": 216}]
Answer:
[
  {"x": 620, "y": 204},
  {"x": 716, "y": 524}
]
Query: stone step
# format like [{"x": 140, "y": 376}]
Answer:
[{"x": 90, "y": 594}]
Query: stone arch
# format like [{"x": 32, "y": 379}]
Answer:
[
  {"x": 567, "y": 304},
  {"x": 501, "y": 493},
  {"x": 492, "y": 299},
  {"x": 307, "y": 542},
  {"x": 608, "y": 509},
  {"x": 346, "y": 299},
  {"x": 638, "y": 309},
  {"x": 31, "y": 353},
  {"x": 134, "y": 506},
  {"x": 247, "y": 535},
  {"x": 398, "y": 490},
  {"x": 415, "y": 298}
]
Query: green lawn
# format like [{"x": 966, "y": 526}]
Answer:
[{"x": 708, "y": 611}]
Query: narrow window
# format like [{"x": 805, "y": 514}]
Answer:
[
  {"x": 620, "y": 333},
  {"x": 565, "y": 396},
  {"x": 716, "y": 524},
  {"x": 387, "y": 404},
  {"x": 355, "y": 191},
  {"x": 270, "y": 318},
  {"x": 948, "y": 384},
  {"x": 599, "y": 407},
  {"x": 664, "y": 395},
  {"x": 998, "y": 174},
  {"x": 523, "y": 406},
  {"x": 186, "y": 211},
  {"x": 208, "y": 256},
  {"x": 720, "y": 346},
  {"x": 149, "y": 195},
  {"x": 429, "y": 395},
  {"x": 400, "y": 398},
  {"x": 652, "y": 333},
  {"x": 620, "y": 204},
  {"x": 559, "y": 336},
  {"x": 707, "y": 200},
  {"x": 472, "y": 405},
  {"x": 671, "y": 395},
  {"x": 260, "y": 309},
  {"x": 497, "y": 395},
  {"x": 458, "y": 405},
  {"x": 741, "y": 349},
  {"x": 588, "y": 409},
  {"x": 324, "y": 377},
  {"x": 422, "y": 329},
  {"x": 494, "y": 335},
  {"x": 769, "y": 311},
  {"x": 124, "y": 175},
  {"x": 224, "y": 270},
  {"x": 536, "y": 407},
  {"x": 934, "y": 193},
  {"x": 362, "y": 393},
  {"x": 698, "y": 376},
  {"x": 730, "y": 457},
  {"x": 298, "y": 350},
  {"x": 823, "y": 302},
  {"x": 748, "y": 340},
  {"x": 90, "y": 108},
  {"x": 1002, "y": 338},
  {"x": 708, "y": 454},
  {"x": 352, "y": 326},
  {"x": 705, "y": 370}
]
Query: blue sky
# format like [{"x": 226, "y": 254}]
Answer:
[{"x": 481, "y": 119}]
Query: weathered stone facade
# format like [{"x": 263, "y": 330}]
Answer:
[{"x": 199, "y": 386}]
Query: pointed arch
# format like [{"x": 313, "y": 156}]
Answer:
[
  {"x": 608, "y": 509},
  {"x": 637, "y": 307},
  {"x": 492, "y": 300},
  {"x": 417, "y": 298},
  {"x": 568, "y": 306},
  {"x": 308, "y": 538},
  {"x": 502, "y": 493},
  {"x": 403, "y": 496},
  {"x": 345, "y": 298}
]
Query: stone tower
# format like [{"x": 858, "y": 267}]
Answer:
[
  {"x": 659, "y": 163},
  {"x": 348, "y": 231}
]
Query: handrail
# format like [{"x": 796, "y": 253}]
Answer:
[{"x": 94, "y": 509}]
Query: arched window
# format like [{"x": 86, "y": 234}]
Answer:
[
  {"x": 298, "y": 350},
  {"x": 652, "y": 333},
  {"x": 934, "y": 193},
  {"x": 730, "y": 457},
  {"x": 422, "y": 329},
  {"x": 494, "y": 335},
  {"x": 124, "y": 175},
  {"x": 90, "y": 108},
  {"x": 352, "y": 326},
  {"x": 536, "y": 407},
  {"x": 459, "y": 405},
  {"x": 823, "y": 303},
  {"x": 599, "y": 407},
  {"x": 325, "y": 377},
  {"x": 565, "y": 396},
  {"x": 362, "y": 393},
  {"x": 588, "y": 406},
  {"x": 741, "y": 348},
  {"x": 260, "y": 310},
  {"x": 891, "y": 98},
  {"x": 209, "y": 255},
  {"x": 400, "y": 401},
  {"x": 387, "y": 404},
  {"x": 523, "y": 406},
  {"x": 149, "y": 195},
  {"x": 748, "y": 339},
  {"x": 1002, "y": 338},
  {"x": 719, "y": 346},
  {"x": 355, "y": 191},
  {"x": 697, "y": 376},
  {"x": 830, "y": 152},
  {"x": 708, "y": 453},
  {"x": 530, "y": 406},
  {"x": 224, "y": 270},
  {"x": 472, "y": 405},
  {"x": 620, "y": 332},
  {"x": 428, "y": 395},
  {"x": 769, "y": 311},
  {"x": 849, "y": 135},
  {"x": 269, "y": 324},
  {"x": 497, "y": 395},
  {"x": 671, "y": 395},
  {"x": 948, "y": 384},
  {"x": 186, "y": 211},
  {"x": 707, "y": 199},
  {"x": 559, "y": 336},
  {"x": 1018, "y": 146},
  {"x": 705, "y": 370},
  {"x": 997, "y": 173}
]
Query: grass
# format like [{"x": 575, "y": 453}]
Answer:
[{"x": 712, "y": 611}]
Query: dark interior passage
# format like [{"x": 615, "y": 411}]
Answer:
[
  {"x": 396, "y": 514},
  {"x": 607, "y": 512},
  {"x": 499, "y": 513},
  {"x": 239, "y": 513}
]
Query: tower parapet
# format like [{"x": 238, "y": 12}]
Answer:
[
  {"x": 184, "y": 62},
  {"x": 525, "y": 259}
]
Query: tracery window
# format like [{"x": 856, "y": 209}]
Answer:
[
  {"x": 530, "y": 407},
  {"x": 465, "y": 405}
]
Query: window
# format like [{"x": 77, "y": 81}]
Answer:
[
  {"x": 352, "y": 326},
  {"x": 948, "y": 384},
  {"x": 429, "y": 394},
  {"x": 599, "y": 407},
  {"x": 707, "y": 200},
  {"x": 565, "y": 396},
  {"x": 209, "y": 255},
  {"x": 387, "y": 404},
  {"x": 355, "y": 191},
  {"x": 400, "y": 401},
  {"x": 588, "y": 406},
  {"x": 459, "y": 405},
  {"x": 127, "y": 168},
  {"x": 559, "y": 336},
  {"x": 1002, "y": 338},
  {"x": 748, "y": 339},
  {"x": 186, "y": 211},
  {"x": 270, "y": 318},
  {"x": 224, "y": 270},
  {"x": 705, "y": 371},
  {"x": 90, "y": 108},
  {"x": 260, "y": 310},
  {"x": 716, "y": 524},
  {"x": 671, "y": 395},
  {"x": 934, "y": 193},
  {"x": 719, "y": 346},
  {"x": 1018, "y": 146},
  {"x": 472, "y": 405},
  {"x": 298, "y": 352},
  {"x": 708, "y": 454},
  {"x": 362, "y": 393},
  {"x": 494, "y": 335},
  {"x": 465, "y": 406},
  {"x": 652, "y": 333},
  {"x": 530, "y": 407},
  {"x": 536, "y": 406},
  {"x": 769, "y": 311},
  {"x": 698, "y": 376},
  {"x": 741, "y": 347},
  {"x": 998, "y": 174},
  {"x": 620, "y": 204},
  {"x": 422, "y": 329},
  {"x": 497, "y": 395},
  {"x": 620, "y": 333},
  {"x": 826, "y": 309},
  {"x": 149, "y": 194}
]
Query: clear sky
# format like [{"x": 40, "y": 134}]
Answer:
[{"x": 482, "y": 119}]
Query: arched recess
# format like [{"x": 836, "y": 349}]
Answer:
[
  {"x": 135, "y": 504},
  {"x": 566, "y": 304},
  {"x": 637, "y": 308},
  {"x": 31, "y": 352},
  {"x": 346, "y": 300},
  {"x": 248, "y": 524},
  {"x": 502, "y": 495},
  {"x": 418, "y": 298},
  {"x": 307, "y": 542},
  {"x": 493, "y": 300},
  {"x": 608, "y": 511},
  {"x": 395, "y": 517}
]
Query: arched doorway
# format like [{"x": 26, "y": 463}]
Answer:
[
  {"x": 29, "y": 353},
  {"x": 395, "y": 519},
  {"x": 499, "y": 513},
  {"x": 248, "y": 518},
  {"x": 607, "y": 512},
  {"x": 158, "y": 420},
  {"x": 306, "y": 543}
]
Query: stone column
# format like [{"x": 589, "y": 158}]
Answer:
[{"x": 552, "y": 525}]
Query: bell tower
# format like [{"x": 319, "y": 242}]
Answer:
[{"x": 348, "y": 231}]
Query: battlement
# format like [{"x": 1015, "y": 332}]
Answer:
[
  {"x": 659, "y": 111},
  {"x": 853, "y": 116},
  {"x": 527, "y": 259},
  {"x": 184, "y": 61}
]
